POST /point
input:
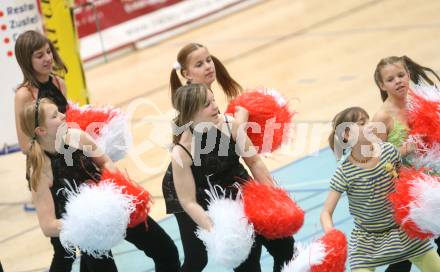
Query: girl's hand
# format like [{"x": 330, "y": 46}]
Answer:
[
  {"x": 409, "y": 148},
  {"x": 241, "y": 113}
]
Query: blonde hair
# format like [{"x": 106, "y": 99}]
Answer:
[
  {"x": 188, "y": 100},
  {"x": 35, "y": 158}
]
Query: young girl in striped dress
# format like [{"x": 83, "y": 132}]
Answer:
[{"x": 365, "y": 172}]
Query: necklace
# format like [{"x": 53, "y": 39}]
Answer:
[{"x": 360, "y": 160}]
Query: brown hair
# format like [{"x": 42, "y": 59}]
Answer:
[
  {"x": 416, "y": 71},
  {"x": 336, "y": 140},
  {"x": 188, "y": 100},
  {"x": 27, "y": 43},
  {"x": 230, "y": 87},
  {"x": 35, "y": 158}
]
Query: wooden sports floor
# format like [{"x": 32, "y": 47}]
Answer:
[{"x": 320, "y": 54}]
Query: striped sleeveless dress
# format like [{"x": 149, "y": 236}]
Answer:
[{"x": 376, "y": 239}]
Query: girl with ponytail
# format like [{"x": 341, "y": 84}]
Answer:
[
  {"x": 197, "y": 65},
  {"x": 60, "y": 159},
  {"x": 40, "y": 121},
  {"x": 393, "y": 76},
  {"x": 414, "y": 71}
]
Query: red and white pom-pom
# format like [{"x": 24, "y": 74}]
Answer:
[
  {"x": 335, "y": 245},
  {"x": 115, "y": 139},
  {"x": 231, "y": 237},
  {"x": 305, "y": 257},
  {"x": 328, "y": 254},
  {"x": 141, "y": 196},
  {"x": 271, "y": 210},
  {"x": 108, "y": 126},
  {"x": 416, "y": 202},
  {"x": 270, "y": 114},
  {"x": 88, "y": 118},
  {"x": 426, "y": 156},
  {"x": 429, "y": 158},
  {"x": 423, "y": 113}
]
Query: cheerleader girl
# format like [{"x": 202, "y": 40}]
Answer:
[
  {"x": 392, "y": 76},
  {"x": 51, "y": 174},
  {"x": 197, "y": 65},
  {"x": 194, "y": 169}
]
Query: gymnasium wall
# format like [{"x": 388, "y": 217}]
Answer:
[{"x": 86, "y": 30}]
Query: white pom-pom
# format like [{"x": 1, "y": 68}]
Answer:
[
  {"x": 96, "y": 218},
  {"x": 231, "y": 238},
  {"x": 115, "y": 139},
  {"x": 276, "y": 95},
  {"x": 426, "y": 207},
  {"x": 427, "y": 91},
  {"x": 425, "y": 156},
  {"x": 306, "y": 257}
]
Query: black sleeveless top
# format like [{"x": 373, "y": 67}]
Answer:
[
  {"x": 68, "y": 174},
  {"x": 220, "y": 167},
  {"x": 49, "y": 90}
]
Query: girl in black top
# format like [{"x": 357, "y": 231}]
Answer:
[
  {"x": 207, "y": 149},
  {"x": 38, "y": 60},
  {"x": 52, "y": 172}
]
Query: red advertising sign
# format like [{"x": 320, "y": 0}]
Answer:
[{"x": 112, "y": 12}]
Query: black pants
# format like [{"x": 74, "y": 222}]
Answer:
[
  {"x": 280, "y": 249},
  {"x": 405, "y": 266},
  {"x": 62, "y": 260},
  {"x": 1, "y": 267},
  {"x": 150, "y": 238},
  {"x": 196, "y": 256}
]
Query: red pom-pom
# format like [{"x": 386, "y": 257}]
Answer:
[
  {"x": 270, "y": 111},
  {"x": 89, "y": 119},
  {"x": 271, "y": 210},
  {"x": 401, "y": 200},
  {"x": 335, "y": 245},
  {"x": 424, "y": 118},
  {"x": 130, "y": 188}
]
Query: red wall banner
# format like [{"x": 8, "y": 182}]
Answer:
[
  {"x": 123, "y": 23},
  {"x": 112, "y": 12}
]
